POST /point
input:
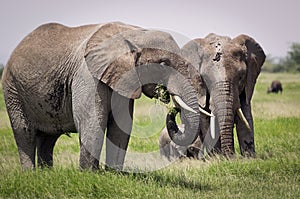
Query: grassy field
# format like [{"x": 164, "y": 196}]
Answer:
[{"x": 275, "y": 173}]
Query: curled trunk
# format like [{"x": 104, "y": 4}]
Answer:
[{"x": 190, "y": 119}]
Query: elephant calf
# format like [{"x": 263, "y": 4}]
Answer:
[
  {"x": 275, "y": 87},
  {"x": 171, "y": 150}
]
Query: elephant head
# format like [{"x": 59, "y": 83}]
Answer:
[
  {"x": 228, "y": 69},
  {"x": 132, "y": 60}
]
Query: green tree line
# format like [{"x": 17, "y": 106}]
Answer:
[{"x": 290, "y": 63}]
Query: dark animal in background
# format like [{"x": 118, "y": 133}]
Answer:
[{"x": 276, "y": 87}]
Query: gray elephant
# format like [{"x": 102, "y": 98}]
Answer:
[
  {"x": 85, "y": 79},
  {"x": 275, "y": 87},
  {"x": 228, "y": 69},
  {"x": 172, "y": 151}
]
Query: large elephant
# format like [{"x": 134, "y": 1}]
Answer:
[
  {"x": 228, "y": 69},
  {"x": 85, "y": 79}
]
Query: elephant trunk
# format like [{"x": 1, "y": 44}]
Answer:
[
  {"x": 224, "y": 111},
  {"x": 190, "y": 117}
]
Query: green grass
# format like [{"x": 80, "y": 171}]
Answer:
[
  {"x": 277, "y": 105},
  {"x": 275, "y": 173}
]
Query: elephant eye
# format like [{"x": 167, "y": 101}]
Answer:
[{"x": 165, "y": 62}]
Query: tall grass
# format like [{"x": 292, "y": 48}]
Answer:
[{"x": 275, "y": 173}]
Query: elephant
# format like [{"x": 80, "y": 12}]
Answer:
[
  {"x": 169, "y": 149},
  {"x": 228, "y": 69},
  {"x": 84, "y": 79},
  {"x": 276, "y": 87}
]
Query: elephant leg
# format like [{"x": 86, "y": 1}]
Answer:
[
  {"x": 45, "y": 146},
  {"x": 174, "y": 152},
  {"x": 91, "y": 141},
  {"x": 212, "y": 146},
  {"x": 90, "y": 104},
  {"x": 26, "y": 143},
  {"x": 88, "y": 159},
  {"x": 165, "y": 151},
  {"x": 118, "y": 132},
  {"x": 23, "y": 133},
  {"x": 91, "y": 124},
  {"x": 246, "y": 137}
]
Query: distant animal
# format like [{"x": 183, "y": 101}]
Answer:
[{"x": 275, "y": 87}]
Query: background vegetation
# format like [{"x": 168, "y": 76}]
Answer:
[
  {"x": 290, "y": 63},
  {"x": 275, "y": 173},
  {"x": 1, "y": 70}
]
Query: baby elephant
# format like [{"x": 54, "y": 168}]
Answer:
[
  {"x": 275, "y": 87},
  {"x": 171, "y": 150}
]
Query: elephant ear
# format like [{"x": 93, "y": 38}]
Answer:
[
  {"x": 111, "y": 56},
  {"x": 193, "y": 53},
  {"x": 255, "y": 58}
]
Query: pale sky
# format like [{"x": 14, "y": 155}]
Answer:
[{"x": 272, "y": 23}]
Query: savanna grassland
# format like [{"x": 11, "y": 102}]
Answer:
[{"x": 274, "y": 173}]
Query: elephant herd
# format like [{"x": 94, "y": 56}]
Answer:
[{"x": 85, "y": 79}]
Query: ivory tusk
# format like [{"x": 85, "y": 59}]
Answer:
[
  {"x": 243, "y": 118},
  {"x": 212, "y": 122},
  {"x": 182, "y": 104},
  {"x": 205, "y": 112},
  {"x": 212, "y": 127}
]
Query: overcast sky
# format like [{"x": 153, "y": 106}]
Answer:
[{"x": 272, "y": 23}]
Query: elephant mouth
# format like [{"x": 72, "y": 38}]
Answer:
[
  {"x": 212, "y": 117},
  {"x": 161, "y": 93}
]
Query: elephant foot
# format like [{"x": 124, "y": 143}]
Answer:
[
  {"x": 87, "y": 161},
  {"x": 249, "y": 154}
]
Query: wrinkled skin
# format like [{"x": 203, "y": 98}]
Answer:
[
  {"x": 228, "y": 69},
  {"x": 85, "y": 79},
  {"x": 275, "y": 87}
]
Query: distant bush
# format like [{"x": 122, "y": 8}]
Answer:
[
  {"x": 1, "y": 70},
  {"x": 290, "y": 63}
]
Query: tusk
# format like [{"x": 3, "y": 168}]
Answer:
[
  {"x": 212, "y": 127},
  {"x": 243, "y": 118},
  {"x": 212, "y": 122},
  {"x": 182, "y": 104},
  {"x": 205, "y": 112}
]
